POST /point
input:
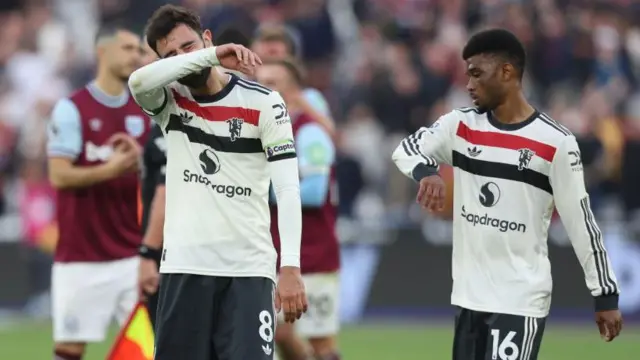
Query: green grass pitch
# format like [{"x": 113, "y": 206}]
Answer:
[{"x": 373, "y": 342}]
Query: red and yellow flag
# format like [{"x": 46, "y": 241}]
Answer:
[{"x": 135, "y": 341}]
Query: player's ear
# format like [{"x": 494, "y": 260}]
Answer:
[
  {"x": 206, "y": 36},
  {"x": 507, "y": 72}
]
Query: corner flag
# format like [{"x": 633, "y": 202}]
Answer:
[{"x": 135, "y": 340}]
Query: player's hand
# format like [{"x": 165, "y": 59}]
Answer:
[
  {"x": 609, "y": 323},
  {"x": 290, "y": 294},
  {"x": 126, "y": 154},
  {"x": 431, "y": 193},
  {"x": 148, "y": 278},
  {"x": 237, "y": 57},
  {"x": 124, "y": 142}
]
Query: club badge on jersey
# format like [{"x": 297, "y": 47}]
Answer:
[{"x": 134, "y": 125}]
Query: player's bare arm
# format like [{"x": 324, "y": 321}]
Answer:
[
  {"x": 418, "y": 157},
  {"x": 149, "y": 277},
  {"x": 572, "y": 202}
]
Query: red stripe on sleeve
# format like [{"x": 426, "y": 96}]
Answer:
[
  {"x": 217, "y": 113},
  {"x": 505, "y": 141}
]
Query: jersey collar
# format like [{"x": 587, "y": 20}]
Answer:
[
  {"x": 220, "y": 94},
  {"x": 511, "y": 127}
]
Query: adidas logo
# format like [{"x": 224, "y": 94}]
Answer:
[
  {"x": 474, "y": 151},
  {"x": 186, "y": 118},
  {"x": 267, "y": 349}
]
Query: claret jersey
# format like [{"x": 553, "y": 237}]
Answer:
[{"x": 508, "y": 179}]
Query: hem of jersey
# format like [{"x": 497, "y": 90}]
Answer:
[
  {"x": 321, "y": 272},
  {"x": 114, "y": 260},
  {"x": 500, "y": 310},
  {"x": 175, "y": 270}
]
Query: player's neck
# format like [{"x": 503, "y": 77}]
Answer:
[
  {"x": 215, "y": 83},
  {"x": 514, "y": 110},
  {"x": 109, "y": 84}
]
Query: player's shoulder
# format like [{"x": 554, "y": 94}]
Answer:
[
  {"x": 314, "y": 95},
  {"x": 455, "y": 116},
  {"x": 252, "y": 88},
  {"x": 78, "y": 94},
  {"x": 65, "y": 110},
  {"x": 550, "y": 131},
  {"x": 553, "y": 127}
]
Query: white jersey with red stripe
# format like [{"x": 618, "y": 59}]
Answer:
[
  {"x": 507, "y": 180},
  {"x": 218, "y": 149}
]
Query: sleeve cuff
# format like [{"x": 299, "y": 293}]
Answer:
[
  {"x": 422, "y": 171},
  {"x": 606, "y": 302},
  {"x": 289, "y": 260}
]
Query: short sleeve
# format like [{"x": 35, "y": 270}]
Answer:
[
  {"x": 276, "y": 133},
  {"x": 64, "y": 131},
  {"x": 315, "y": 150},
  {"x": 317, "y": 101}
]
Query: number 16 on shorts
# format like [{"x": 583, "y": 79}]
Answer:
[
  {"x": 505, "y": 348},
  {"x": 517, "y": 343}
]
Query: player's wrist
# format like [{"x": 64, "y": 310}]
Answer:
[
  {"x": 213, "y": 56},
  {"x": 606, "y": 302},
  {"x": 289, "y": 261},
  {"x": 422, "y": 171},
  {"x": 149, "y": 252}
]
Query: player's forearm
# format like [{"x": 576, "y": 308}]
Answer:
[
  {"x": 586, "y": 239},
  {"x": 286, "y": 186},
  {"x": 163, "y": 72},
  {"x": 153, "y": 237},
  {"x": 412, "y": 163},
  {"x": 70, "y": 177}
]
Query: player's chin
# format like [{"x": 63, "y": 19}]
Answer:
[
  {"x": 480, "y": 106},
  {"x": 126, "y": 73}
]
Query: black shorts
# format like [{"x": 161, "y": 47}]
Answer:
[
  {"x": 215, "y": 318},
  {"x": 491, "y": 336}
]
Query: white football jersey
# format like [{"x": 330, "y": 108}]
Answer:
[
  {"x": 218, "y": 148},
  {"x": 507, "y": 181}
]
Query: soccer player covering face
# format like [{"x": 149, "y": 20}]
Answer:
[
  {"x": 320, "y": 259},
  {"x": 227, "y": 140},
  {"x": 93, "y": 148},
  {"x": 512, "y": 165}
]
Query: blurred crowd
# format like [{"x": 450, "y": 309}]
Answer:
[{"x": 387, "y": 67}]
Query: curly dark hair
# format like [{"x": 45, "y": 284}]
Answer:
[
  {"x": 498, "y": 42},
  {"x": 166, "y": 18}
]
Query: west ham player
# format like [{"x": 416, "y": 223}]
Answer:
[
  {"x": 95, "y": 261},
  {"x": 276, "y": 42},
  {"x": 320, "y": 250},
  {"x": 154, "y": 161},
  {"x": 512, "y": 165},
  {"x": 227, "y": 140}
]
